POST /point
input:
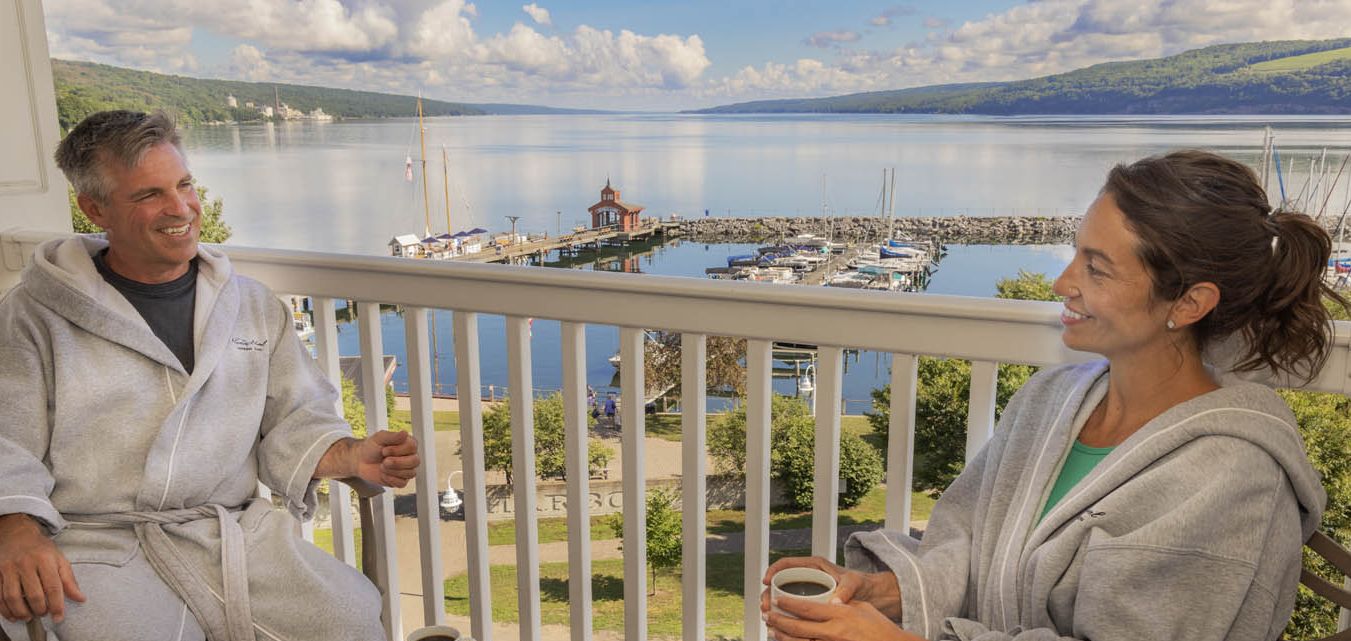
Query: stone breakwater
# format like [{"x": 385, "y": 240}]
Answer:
[{"x": 1001, "y": 230}]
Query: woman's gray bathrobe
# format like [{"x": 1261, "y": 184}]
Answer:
[
  {"x": 99, "y": 418},
  {"x": 1190, "y": 529}
]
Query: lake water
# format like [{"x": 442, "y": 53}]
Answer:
[{"x": 341, "y": 187}]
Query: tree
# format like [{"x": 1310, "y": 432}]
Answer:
[
  {"x": 942, "y": 399},
  {"x": 664, "y": 547},
  {"x": 725, "y": 362},
  {"x": 1325, "y": 423},
  {"x": 353, "y": 410},
  {"x": 792, "y": 452},
  {"x": 214, "y": 229},
  {"x": 550, "y": 461}
]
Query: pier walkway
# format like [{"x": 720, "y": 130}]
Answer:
[{"x": 587, "y": 239}]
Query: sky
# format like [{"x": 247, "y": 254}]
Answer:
[{"x": 656, "y": 56}]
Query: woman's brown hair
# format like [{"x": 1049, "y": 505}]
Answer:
[{"x": 1201, "y": 217}]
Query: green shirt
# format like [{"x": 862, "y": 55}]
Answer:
[{"x": 1081, "y": 460}]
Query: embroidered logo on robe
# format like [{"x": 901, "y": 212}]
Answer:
[
  {"x": 248, "y": 344},
  {"x": 1090, "y": 514}
]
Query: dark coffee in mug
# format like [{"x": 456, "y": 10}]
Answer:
[{"x": 804, "y": 588}]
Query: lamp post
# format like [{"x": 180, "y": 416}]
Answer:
[{"x": 513, "y": 220}]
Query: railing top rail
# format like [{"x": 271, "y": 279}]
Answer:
[{"x": 1006, "y": 331}]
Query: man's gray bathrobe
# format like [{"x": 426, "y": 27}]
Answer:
[
  {"x": 99, "y": 420},
  {"x": 1190, "y": 529}
]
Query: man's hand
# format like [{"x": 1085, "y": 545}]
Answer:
[
  {"x": 35, "y": 578},
  {"x": 385, "y": 458}
]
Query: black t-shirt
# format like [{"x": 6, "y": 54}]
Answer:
[{"x": 166, "y": 307}]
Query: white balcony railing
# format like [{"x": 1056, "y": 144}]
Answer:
[{"x": 986, "y": 331}]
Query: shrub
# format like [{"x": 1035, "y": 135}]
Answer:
[
  {"x": 550, "y": 461},
  {"x": 792, "y": 447}
]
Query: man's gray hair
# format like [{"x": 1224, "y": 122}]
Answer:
[{"x": 121, "y": 136}]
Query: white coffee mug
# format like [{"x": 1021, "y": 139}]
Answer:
[{"x": 809, "y": 576}]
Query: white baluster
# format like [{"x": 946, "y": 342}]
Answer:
[
  {"x": 575, "y": 426},
  {"x": 428, "y": 508},
  {"x": 339, "y": 495},
  {"x": 759, "y": 393},
  {"x": 373, "y": 395},
  {"x": 472, "y": 462},
  {"x": 523, "y": 475},
  {"x": 826, "y": 488},
  {"x": 980, "y": 419},
  {"x": 633, "y": 393},
  {"x": 693, "y": 483},
  {"x": 901, "y": 441}
]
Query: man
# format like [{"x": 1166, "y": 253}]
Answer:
[{"x": 146, "y": 390}]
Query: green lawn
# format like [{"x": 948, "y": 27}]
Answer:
[
  {"x": 1300, "y": 63},
  {"x": 723, "y": 597},
  {"x": 872, "y": 509},
  {"x": 551, "y": 530},
  {"x": 323, "y": 539},
  {"x": 443, "y": 421}
]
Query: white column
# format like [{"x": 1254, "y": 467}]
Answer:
[
  {"x": 576, "y": 428},
  {"x": 901, "y": 441},
  {"x": 633, "y": 393},
  {"x": 826, "y": 488},
  {"x": 523, "y": 475},
  {"x": 758, "y": 396},
  {"x": 980, "y": 419},
  {"x": 32, "y": 189},
  {"x": 472, "y": 462},
  {"x": 693, "y": 483},
  {"x": 424, "y": 429}
]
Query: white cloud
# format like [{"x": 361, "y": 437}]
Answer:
[
  {"x": 248, "y": 63},
  {"x": 442, "y": 31},
  {"x": 885, "y": 18},
  {"x": 1042, "y": 37},
  {"x": 827, "y": 39},
  {"x": 411, "y": 45},
  {"x": 539, "y": 14}
]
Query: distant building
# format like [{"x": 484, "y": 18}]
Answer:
[
  {"x": 267, "y": 111},
  {"x": 249, "y": 104},
  {"x": 231, "y": 101},
  {"x": 318, "y": 114},
  {"x": 406, "y": 245},
  {"x": 613, "y": 212}
]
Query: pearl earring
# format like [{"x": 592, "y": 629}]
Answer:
[{"x": 1171, "y": 324}]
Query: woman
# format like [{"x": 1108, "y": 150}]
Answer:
[{"x": 1133, "y": 497}]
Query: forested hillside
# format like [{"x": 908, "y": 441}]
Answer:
[
  {"x": 1239, "y": 78},
  {"x": 83, "y": 88}
]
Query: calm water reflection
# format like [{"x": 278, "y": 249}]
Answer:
[{"x": 341, "y": 187}]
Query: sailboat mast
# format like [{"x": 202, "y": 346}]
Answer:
[
  {"x": 891, "y": 209},
  {"x": 445, "y": 175},
  {"x": 426, "y": 202}
]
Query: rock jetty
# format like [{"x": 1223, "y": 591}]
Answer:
[{"x": 1002, "y": 230}]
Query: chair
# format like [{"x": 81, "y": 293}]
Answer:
[
  {"x": 1340, "y": 558},
  {"x": 364, "y": 490}
]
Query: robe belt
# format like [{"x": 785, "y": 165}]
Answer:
[{"x": 178, "y": 572}]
